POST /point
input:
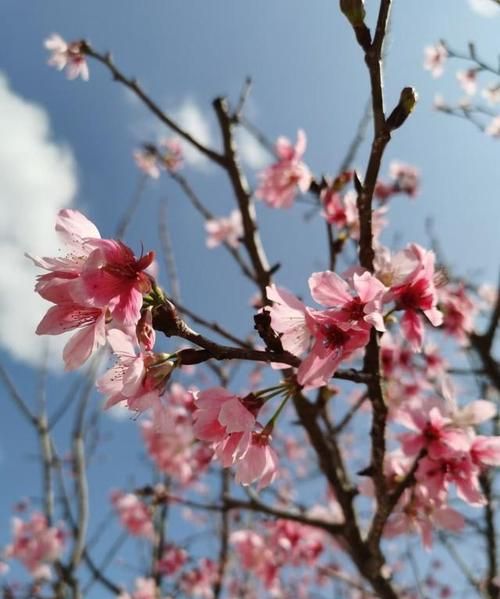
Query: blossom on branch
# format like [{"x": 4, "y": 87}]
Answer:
[
  {"x": 134, "y": 514},
  {"x": 36, "y": 544},
  {"x": 98, "y": 285},
  {"x": 67, "y": 55},
  {"x": 435, "y": 59},
  {"x": 279, "y": 182},
  {"x": 224, "y": 230}
]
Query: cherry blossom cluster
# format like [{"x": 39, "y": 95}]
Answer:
[
  {"x": 226, "y": 229},
  {"x": 36, "y": 544},
  {"x": 170, "y": 438},
  {"x": 197, "y": 582},
  {"x": 354, "y": 305},
  {"x": 97, "y": 286},
  {"x": 280, "y": 181},
  {"x": 481, "y": 112},
  {"x": 230, "y": 424},
  {"x": 448, "y": 452},
  {"x": 134, "y": 514}
]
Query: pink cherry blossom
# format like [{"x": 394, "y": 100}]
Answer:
[
  {"x": 294, "y": 543},
  {"x": 356, "y": 302},
  {"x": 416, "y": 293},
  {"x": 435, "y": 475},
  {"x": 255, "y": 555},
  {"x": 259, "y": 463},
  {"x": 134, "y": 514},
  {"x": 458, "y": 311},
  {"x": 219, "y": 413},
  {"x": 224, "y": 230},
  {"x": 90, "y": 321},
  {"x": 279, "y": 182},
  {"x": 435, "y": 59},
  {"x": 334, "y": 342},
  {"x": 420, "y": 514},
  {"x": 334, "y": 209},
  {"x": 36, "y": 544},
  {"x": 199, "y": 582},
  {"x": 485, "y": 451},
  {"x": 169, "y": 438},
  {"x": 145, "y": 333},
  {"x": 172, "y": 560},
  {"x": 112, "y": 276},
  {"x": 433, "y": 432},
  {"x": 77, "y": 234},
  {"x": 289, "y": 318},
  {"x": 136, "y": 379},
  {"x": 67, "y": 55}
]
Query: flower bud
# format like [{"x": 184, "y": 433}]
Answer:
[
  {"x": 144, "y": 330},
  {"x": 406, "y": 104},
  {"x": 354, "y": 10}
]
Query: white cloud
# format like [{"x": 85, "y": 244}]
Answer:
[
  {"x": 252, "y": 152},
  {"x": 191, "y": 118},
  {"x": 486, "y": 8},
  {"x": 37, "y": 178}
]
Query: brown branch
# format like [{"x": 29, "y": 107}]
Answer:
[
  {"x": 368, "y": 559},
  {"x": 137, "y": 90},
  {"x": 167, "y": 321},
  {"x": 224, "y": 537},
  {"x": 251, "y": 238}
]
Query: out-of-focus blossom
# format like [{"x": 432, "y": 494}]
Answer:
[
  {"x": 147, "y": 161},
  {"x": 406, "y": 178},
  {"x": 458, "y": 311},
  {"x": 224, "y": 230},
  {"x": 333, "y": 207},
  {"x": 492, "y": 94},
  {"x": 134, "y": 514},
  {"x": 172, "y": 560},
  {"x": 493, "y": 128},
  {"x": 66, "y": 55},
  {"x": 171, "y": 156},
  {"x": 435, "y": 59},
  {"x": 35, "y": 544},
  {"x": 145, "y": 588},
  {"x": 170, "y": 440},
  {"x": 279, "y": 182},
  {"x": 468, "y": 81},
  {"x": 199, "y": 582}
]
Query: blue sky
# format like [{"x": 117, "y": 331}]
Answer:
[{"x": 76, "y": 149}]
